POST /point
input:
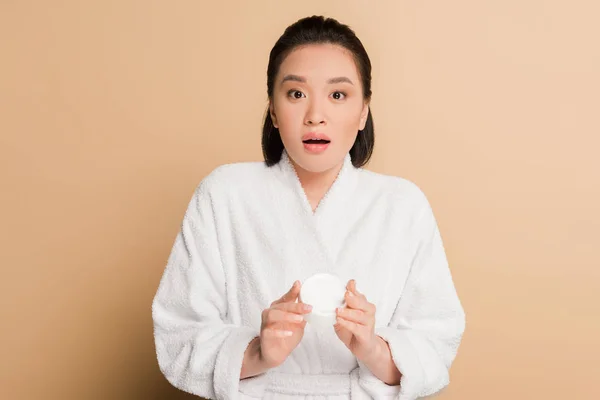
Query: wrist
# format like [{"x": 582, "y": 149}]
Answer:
[
  {"x": 378, "y": 350},
  {"x": 381, "y": 364},
  {"x": 253, "y": 363},
  {"x": 261, "y": 361},
  {"x": 264, "y": 363}
]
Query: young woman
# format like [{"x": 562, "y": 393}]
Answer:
[{"x": 255, "y": 230}]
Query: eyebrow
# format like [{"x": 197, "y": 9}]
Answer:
[{"x": 301, "y": 79}]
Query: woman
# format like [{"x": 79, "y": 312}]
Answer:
[{"x": 222, "y": 327}]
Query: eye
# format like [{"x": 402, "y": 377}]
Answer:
[
  {"x": 296, "y": 94},
  {"x": 338, "y": 95}
]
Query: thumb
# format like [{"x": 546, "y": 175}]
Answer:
[{"x": 291, "y": 294}]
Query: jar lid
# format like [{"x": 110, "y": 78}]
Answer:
[{"x": 324, "y": 292}]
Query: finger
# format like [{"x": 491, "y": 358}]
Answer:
[
  {"x": 353, "y": 286},
  {"x": 357, "y": 330},
  {"x": 338, "y": 328},
  {"x": 358, "y": 316},
  {"x": 274, "y": 315},
  {"x": 349, "y": 291},
  {"x": 296, "y": 308},
  {"x": 303, "y": 324},
  {"x": 359, "y": 302},
  {"x": 286, "y": 326},
  {"x": 276, "y": 333},
  {"x": 291, "y": 295},
  {"x": 356, "y": 302}
]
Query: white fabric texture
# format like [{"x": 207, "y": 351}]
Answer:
[{"x": 249, "y": 232}]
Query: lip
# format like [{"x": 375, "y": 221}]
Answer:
[
  {"x": 315, "y": 148},
  {"x": 315, "y": 135}
]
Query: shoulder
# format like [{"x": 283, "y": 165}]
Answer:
[
  {"x": 402, "y": 198},
  {"x": 226, "y": 177},
  {"x": 392, "y": 188}
]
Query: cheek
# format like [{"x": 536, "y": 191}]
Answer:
[
  {"x": 349, "y": 118},
  {"x": 288, "y": 111}
]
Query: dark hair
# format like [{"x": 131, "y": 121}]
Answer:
[{"x": 318, "y": 30}]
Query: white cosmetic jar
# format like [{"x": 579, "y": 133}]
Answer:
[{"x": 324, "y": 292}]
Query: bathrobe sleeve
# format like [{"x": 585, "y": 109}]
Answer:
[
  {"x": 427, "y": 325},
  {"x": 197, "y": 351}
]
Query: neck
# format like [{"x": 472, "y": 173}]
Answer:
[{"x": 316, "y": 184}]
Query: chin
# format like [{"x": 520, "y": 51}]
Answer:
[{"x": 315, "y": 162}]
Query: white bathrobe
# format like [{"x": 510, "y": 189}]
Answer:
[{"x": 249, "y": 232}]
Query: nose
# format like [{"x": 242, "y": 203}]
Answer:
[{"x": 314, "y": 114}]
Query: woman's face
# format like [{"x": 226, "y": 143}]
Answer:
[{"x": 317, "y": 92}]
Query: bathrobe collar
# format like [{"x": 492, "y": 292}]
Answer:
[
  {"x": 335, "y": 207},
  {"x": 339, "y": 195}
]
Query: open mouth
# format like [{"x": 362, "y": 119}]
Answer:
[{"x": 316, "y": 141}]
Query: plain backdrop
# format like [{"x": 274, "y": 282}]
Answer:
[{"x": 111, "y": 112}]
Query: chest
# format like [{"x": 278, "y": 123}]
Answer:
[{"x": 369, "y": 242}]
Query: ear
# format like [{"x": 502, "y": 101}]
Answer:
[
  {"x": 364, "y": 115},
  {"x": 272, "y": 114}
]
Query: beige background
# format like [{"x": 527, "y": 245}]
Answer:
[{"x": 112, "y": 111}]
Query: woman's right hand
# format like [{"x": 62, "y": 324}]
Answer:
[{"x": 282, "y": 327}]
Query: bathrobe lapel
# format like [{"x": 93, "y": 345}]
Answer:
[{"x": 325, "y": 228}]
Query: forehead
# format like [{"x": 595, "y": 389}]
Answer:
[{"x": 319, "y": 62}]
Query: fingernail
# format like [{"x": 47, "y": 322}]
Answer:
[
  {"x": 350, "y": 294},
  {"x": 287, "y": 333},
  {"x": 307, "y": 307},
  {"x": 297, "y": 317}
]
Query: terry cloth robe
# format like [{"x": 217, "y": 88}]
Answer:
[{"x": 249, "y": 232}]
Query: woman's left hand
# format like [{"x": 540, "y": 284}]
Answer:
[{"x": 355, "y": 324}]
